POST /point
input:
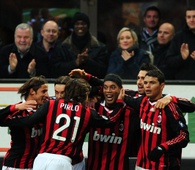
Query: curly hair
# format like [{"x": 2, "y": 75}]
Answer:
[{"x": 77, "y": 90}]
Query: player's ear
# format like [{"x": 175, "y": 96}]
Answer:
[
  {"x": 162, "y": 86},
  {"x": 32, "y": 92}
]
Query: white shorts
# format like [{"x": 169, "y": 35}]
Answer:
[
  {"x": 140, "y": 168},
  {"x": 10, "y": 168},
  {"x": 51, "y": 161},
  {"x": 80, "y": 165}
]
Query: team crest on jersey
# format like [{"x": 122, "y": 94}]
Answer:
[
  {"x": 159, "y": 119},
  {"x": 152, "y": 109}
]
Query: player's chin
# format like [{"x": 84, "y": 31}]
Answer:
[
  {"x": 141, "y": 91},
  {"x": 148, "y": 93},
  {"x": 110, "y": 101},
  {"x": 44, "y": 100}
]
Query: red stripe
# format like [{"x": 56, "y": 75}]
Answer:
[
  {"x": 4, "y": 149},
  {"x": 9, "y": 88}
]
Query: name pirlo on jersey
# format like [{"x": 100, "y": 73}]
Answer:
[
  {"x": 107, "y": 138},
  {"x": 151, "y": 128},
  {"x": 69, "y": 107}
]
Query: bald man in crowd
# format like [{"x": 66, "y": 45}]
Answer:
[
  {"x": 165, "y": 34},
  {"x": 52, "y": 47}
]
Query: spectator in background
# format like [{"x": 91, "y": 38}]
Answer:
[
  {"x": 148, "y": 36},
  {"x": 65, "y": 27},
  {"x": 45, "y": 15},
  {"x": 128, "y": 57},
  {"x": 181, "y": 53},
  {"x": 165, "y": 34},
  {"x": 88, "y": 53},
  {"x": 22, "y": 59},
  {"x": 52, "y": 48}
]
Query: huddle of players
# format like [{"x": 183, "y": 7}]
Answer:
[{"x": 115, "y": 133}]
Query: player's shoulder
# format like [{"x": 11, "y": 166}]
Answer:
[
  {"x": 173, "y": 109},
  {"x": 131, "y": 93}
]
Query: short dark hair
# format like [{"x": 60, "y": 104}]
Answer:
[
  {"x": 148, "y": 66},
  {"x": 153, "y": 8},
  {"x": 158, "y": 74},
  {"x": 115, "y": 78},
  {"x": 190, "y": 8}
]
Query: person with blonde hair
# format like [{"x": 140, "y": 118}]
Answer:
[{"x": 128, "y": 57}]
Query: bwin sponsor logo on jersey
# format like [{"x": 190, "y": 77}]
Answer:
[
  {"x": 150, "y": 128},
  {"x": 36, "y": 132},
  {"x": 107, "y": 138}
]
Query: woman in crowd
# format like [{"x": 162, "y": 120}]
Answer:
[{"x": 127, "y": 58}]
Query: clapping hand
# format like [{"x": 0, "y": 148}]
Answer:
[
  {"x": 31, "y": 66},
  {"x": 82, "y": 57},
  {"x": 13, "y": 61}
]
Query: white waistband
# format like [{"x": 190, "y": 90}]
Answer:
[
  {"x": 11, "y": 168},
  {"x": 55, "y": 156}
]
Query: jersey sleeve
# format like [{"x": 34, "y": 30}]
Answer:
[
  {"x": 178, "y": 126},
  {"x": 133, "y": 102},
  {"x": 94, "y": 81},
  {"x": 36, "y": 117},
  {"x": 6, "y": 112},
  {"x": 98, "y": 120},
  {"x": 184, "y": 104}
]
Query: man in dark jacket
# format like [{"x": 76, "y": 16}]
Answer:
[
  {"x": 148, "y": 35},
  {"x": 53, "y": 50},
  {"x": 165, "y": 34},
  {"x": 88, "y": 53},
  {"x": 181, "y": 54},
  {"x": 22, "y": 59}
]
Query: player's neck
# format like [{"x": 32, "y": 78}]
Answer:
[{"x": 155, "y": 98}]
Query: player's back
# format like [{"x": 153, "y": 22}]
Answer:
[{"x": 67, "y": 123}]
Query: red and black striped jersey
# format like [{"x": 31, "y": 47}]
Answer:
[
  {"x": 25, "y": 141},
  {"x": 166, "y": 127},
  {"x": 66, "y": 124},
  {"x": 110, "y": 148}
]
